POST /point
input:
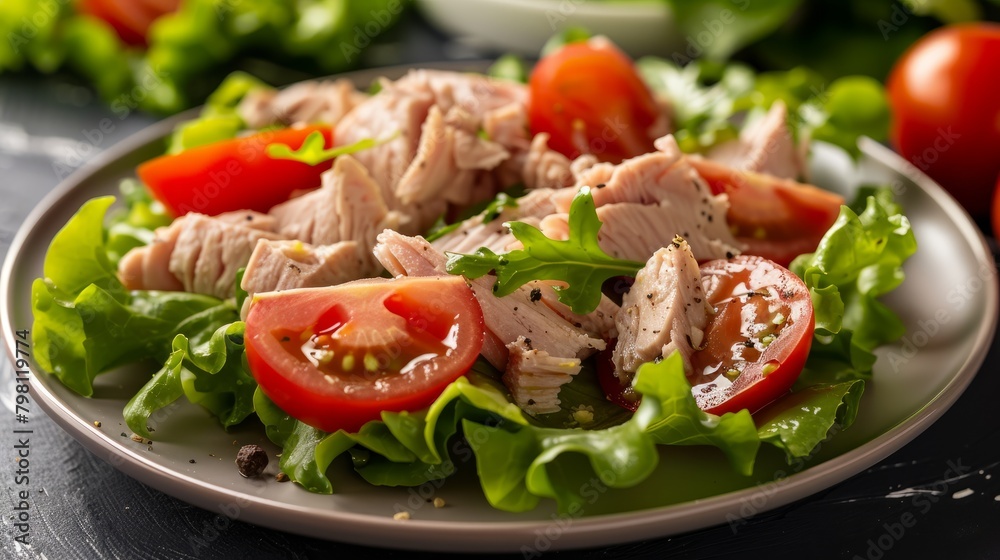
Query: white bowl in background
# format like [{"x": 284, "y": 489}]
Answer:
[{"x": 523, "y": 26}]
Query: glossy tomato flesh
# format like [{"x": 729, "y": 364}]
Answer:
[
  {"x": 778, "y": 219},
  {"x": 946, "y": 109},
  {"x": 233, "y": 174},
  {"x": 589, "y": 98},
  {"x": 757, "y": 340},
  {"x": 755, "y": 345},
  {"x": 336, "y": 357}
]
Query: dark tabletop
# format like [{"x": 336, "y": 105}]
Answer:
[{"x": 84, "y": 508}]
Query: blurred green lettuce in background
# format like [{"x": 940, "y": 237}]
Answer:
[{"x": 190, "y": 50}]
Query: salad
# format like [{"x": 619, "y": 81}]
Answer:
[{"x": 610, "y": 257}]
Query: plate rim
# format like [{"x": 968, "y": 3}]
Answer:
[{"x": 494, "y": 536}]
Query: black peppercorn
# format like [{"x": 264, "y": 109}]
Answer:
[{"x": 251, "y": 460}]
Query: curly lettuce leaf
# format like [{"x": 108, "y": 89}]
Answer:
[
  {"x": 206, "y": 367},
  {"x": 712, "y": 102},
  {"x": 135, "y": 225},
  {"x": 402, "y": 449},
  {"x": 799, "y": 422},
  {"x": 858, "y": 260},
  {"x": 86, "y": 322},
  {"x": 519, "y": 467}
]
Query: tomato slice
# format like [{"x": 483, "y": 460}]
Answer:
[
  {"x": 233, "y": 174},
  {"x": 336, "y": 357},
  {"x": 589, "y": 98},
  {"x": 778, "y": 219},
  {"x": 758, "y": 339},
  {"x": 614, "y": 390}
]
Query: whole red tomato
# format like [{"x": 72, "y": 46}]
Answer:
[
  {"x": 591, "y": 100},
  {"x": 130, "y": 18},
  {"x": 945, "y": 96},
  {"x": 996, "y": 210}
]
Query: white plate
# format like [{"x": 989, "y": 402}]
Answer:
[
  {"x": 523, "y": 26},
  {"x": 949, "y": 303}
]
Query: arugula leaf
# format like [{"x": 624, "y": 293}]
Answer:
[
  {"x": 313, "y": 151},
  {"x": 488, "y": 210},
  {"x": 579, "y": 261},
  {"x": 859, "y": 259}
]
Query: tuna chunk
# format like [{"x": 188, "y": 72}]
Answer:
[
  {"x": 250, "y": 219},
  {"x": 348, "y": 207},
  {"x": 438, "y": 155},
  {"x": 475, "y": 94},
  {"x": 545, "y": 168},
  {"x": 392, "y": 113},
  {"x": 148, "y": 268},
  {"x": 508, "y": 126},
  {"x": 284, "y": 265},
  {"x": 534, "y": 377},
  {"x": 196, "y": 254},
  {"x": 646, "y": 179},
  {"x": 521, "y": 313},
  {"x": 665, "y": 310},
  {"x": 474, "y": 233},
  {"x": 765, "y": 146},
  {"x": 599, "y": 323},
  {"x": 635, "y": 231},
  {"x": 444, "y": 167},
  {"x": 306, "y": 102}
]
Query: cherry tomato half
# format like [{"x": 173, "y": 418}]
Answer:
[
  {"x": 758, "y": 339},
  {"x": 946, "y": 110},
  {"x": 589, "y": 98},
  {"x": 755, "y": 345},
  {"x": 778, "y": 219},
  {"x": 233, "y": 174},
  {"x": 336, "y": 357}
]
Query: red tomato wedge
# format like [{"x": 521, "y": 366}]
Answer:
[
  {"x": 778, "y": 219},
  {"x": 130, "y": 18},
  {"x": 589, "y": 98},
  {"x": 233, "y": 174},
  {"x": 757, "y": 341},
  {"x": 336, "y": 357}
]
